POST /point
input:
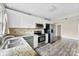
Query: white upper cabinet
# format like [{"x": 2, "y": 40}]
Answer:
[{"x": 19, "y": 20}]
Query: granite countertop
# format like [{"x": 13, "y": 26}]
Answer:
[{"x": 23, "y": 49}]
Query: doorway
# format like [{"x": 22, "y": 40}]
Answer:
[{"x": 58, "y": 30}]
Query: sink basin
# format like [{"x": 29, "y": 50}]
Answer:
[{"x": 12, "y": 42}]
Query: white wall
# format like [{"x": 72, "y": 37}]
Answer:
[
  {"x": 19, "y": 20},
  {"x": 69, "y": 29}
]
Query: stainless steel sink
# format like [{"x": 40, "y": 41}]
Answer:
[{"x": 12, "y": 42}]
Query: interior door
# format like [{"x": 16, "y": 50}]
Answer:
[{"x": 59, "y": 30}]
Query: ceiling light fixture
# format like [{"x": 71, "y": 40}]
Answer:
[{"x": 52, "y": 8}]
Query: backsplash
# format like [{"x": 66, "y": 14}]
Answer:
[{"x": 22, "y": 31}]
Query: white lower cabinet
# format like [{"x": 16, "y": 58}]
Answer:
[{"x": 32, "y": 40}]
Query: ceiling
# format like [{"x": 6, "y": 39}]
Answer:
[{"x": 47, "y": 10}]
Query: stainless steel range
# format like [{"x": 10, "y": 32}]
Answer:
[{"x": 41, "y": 37}]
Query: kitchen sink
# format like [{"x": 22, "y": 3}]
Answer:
[{"x": 12, "y": 42}]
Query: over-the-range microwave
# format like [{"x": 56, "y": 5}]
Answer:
[{"x": 39, "y": 26}]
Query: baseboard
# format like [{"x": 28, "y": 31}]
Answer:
[{"x": 75, "y": 38}]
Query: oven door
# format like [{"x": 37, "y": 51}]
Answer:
[{"x": 41, "y": 39}]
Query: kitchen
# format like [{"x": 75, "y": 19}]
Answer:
[
  {"x": 39, "y": 33},
  {"x": 32, "y": 29}
]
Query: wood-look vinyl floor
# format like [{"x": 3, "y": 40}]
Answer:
[{"x": 63, "y": 47}]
